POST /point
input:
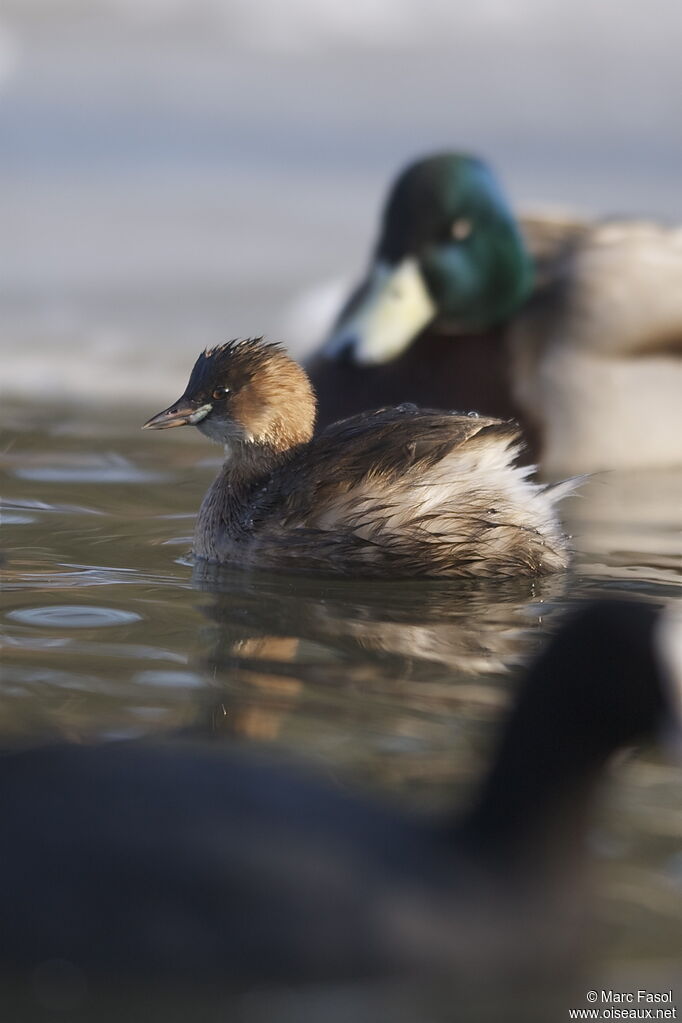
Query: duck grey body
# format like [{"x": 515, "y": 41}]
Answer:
[{"x": 399, "y": 491}]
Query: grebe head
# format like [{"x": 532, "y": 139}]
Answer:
[{"x": 245, "y": 391}]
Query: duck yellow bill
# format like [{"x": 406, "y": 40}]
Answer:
[
  {"x": 179, "y": 414},
  {"x": 395, "y": 307}
]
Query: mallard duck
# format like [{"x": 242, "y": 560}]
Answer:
[
  {"x": 573, "y": 328},
  {"x": 397, "y": 492},
  {"x": 450, "y": 260},
  {"x": 201, "y": 864}
]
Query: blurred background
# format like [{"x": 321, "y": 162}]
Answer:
[
  {"x": 178, "y": 172},
  {"x": 174, "y": 173}
]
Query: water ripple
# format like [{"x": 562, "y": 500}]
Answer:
[
  {"x": 73, "y": 616},
  {"x": 83, "y": 576},
  {"x": 21, "y": 504},
  {"x": 95, "y": 474},
  {"x": 170, "y": 679},
  {"x": 129, "y": 651}
]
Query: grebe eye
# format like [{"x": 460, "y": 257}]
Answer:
[
  {"x": 220, "y": 392},
  {"x": 461, "y": 228}
]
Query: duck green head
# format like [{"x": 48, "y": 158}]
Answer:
[{"x": 450, "y": 254}]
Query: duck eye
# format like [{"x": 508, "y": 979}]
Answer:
[
  {"x": 220, "y": 392},
  {"x": 461, "y": 228}
]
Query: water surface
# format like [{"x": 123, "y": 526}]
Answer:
[{"x": 110, "y": 631}]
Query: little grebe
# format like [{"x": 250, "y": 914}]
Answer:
[{"x": 396, "y": 492}]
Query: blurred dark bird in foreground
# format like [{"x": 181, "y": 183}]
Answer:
[
  {"x": 574, "y": 328},
  {"x": 399, "y": 492},
  {"x": 195, "y": 865}
]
